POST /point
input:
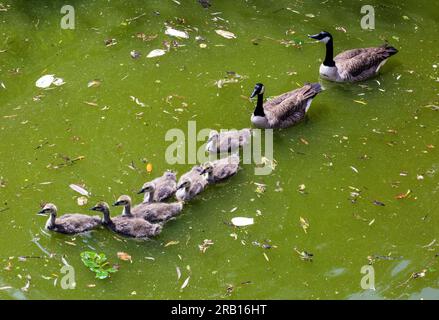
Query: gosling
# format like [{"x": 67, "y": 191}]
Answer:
[
  {"x": 191, "y": 184},
  {"x": 153, "y": 211},
  {"x": 221, "y": 169},
  {"x": 71, "y": 223},
  {"x": 164, "y": 188},
  {"x": 126, "y": 225}
]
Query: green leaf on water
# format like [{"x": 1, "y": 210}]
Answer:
[{"x": 97, "y": 263}]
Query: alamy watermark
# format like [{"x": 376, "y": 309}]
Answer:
[
  {"x": 368, "y": 20},
  {"x": 68, "y": 20},
  {"x": 368, "y": 280}
]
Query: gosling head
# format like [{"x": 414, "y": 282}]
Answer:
[
  {"x": 184, "y": 184},
  {"x": 48, "y": 209},
  {"x": 207, "y": 168},
  {"x": 323, "y": 36},
  {"x": 123, "y": 201},
  {"x": 169, "y": 174},
  {"x": 259, "y": 89},
  {"x": 148, "y": 187},
  {"x": 101, "y": 207}
]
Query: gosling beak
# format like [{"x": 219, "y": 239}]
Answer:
[
  {"x": 141, "y": 191},
  {"x": 314, "y": 36},
  {"x": 254, "y": 93},
  {"x": 42, "y": 213},
  {"x": 117, "y": 203},
  {"x": 95, "y": 208}
]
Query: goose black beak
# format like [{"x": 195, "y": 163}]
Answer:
[
  {"x": 254, "y": 93},
  {"x": 314, "y": 36}
]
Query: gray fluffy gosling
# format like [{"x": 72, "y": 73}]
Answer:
[
  {"x": 127, "y": 225},
  {"x": 71, "y": 223},
  {"x": 164, "y": 187},
  {"x": 221, "y": 169}
]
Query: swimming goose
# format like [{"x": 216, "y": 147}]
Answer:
[
  {"x": 164, "y": 187},
  {"x": 151, "y": 211},
  {"x": 285, "y": 110},
  {"x": 227, "y": 141},
  {"x": 127, "y": 225},
  {"x": 221, "y": 169},
  {"x": 191, "y": 184},
  {"x": 70, "y": 223},
  {"x": 352, "y": 65}
]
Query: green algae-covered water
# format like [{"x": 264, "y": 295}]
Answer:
[{"x": 362, "y": 171}]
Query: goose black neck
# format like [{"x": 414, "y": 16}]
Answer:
[
  {"x": 329, "y": 58},
  {"x": 259, "y": 110}
]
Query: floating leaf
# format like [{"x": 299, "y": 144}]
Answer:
[
  {"x": 94, "y": 83},
  {"x": 156, "y": 53},
  {"x": 171, "y": 243},
  {"x": 176, "y": 33},
  {"x": 226, "y": 34},
  {"x": 242, "y": 221},
  {"x": 45, "y": 81},
  {"x": 79, "y": 189},
  {"x": 185, "y": 283},
  {"x": 124, "y": 256}
]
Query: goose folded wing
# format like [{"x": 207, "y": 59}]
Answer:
[
  {"x": 364, "y": 60},
  {"x": 293, "y": 107}
]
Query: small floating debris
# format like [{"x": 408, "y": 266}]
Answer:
[
  {"x": 205, "y": 245},
  {"x": 242, "y": 221},
  {"x": 110, "y": 42},
  {"x": 82, "y": 201},
  {"x": 124, "y": 256},
  {"x": 135, "y": 54},
  {"x": 176, "y": 33},
  {"x": 156, "y": 53},
  {"x": 304, "y": 255},
  {"x": 378, "y": 203},
  {"x": 226, "y": 34},
  {"x": 304, "y": 224},
  {"x": 94, "y": 83}
]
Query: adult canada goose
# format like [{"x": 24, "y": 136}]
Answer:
[
  {"x": 191, "y": 184},
  {"x": 221, "y": 169},
  {"x": 152, "y": 211},
  {"x": 71, "y": 223},
  {"x": 285, "y": 110},
  {"x": 227, "y": 141},
  {"x": 127, "y": 225},
  {"x": 352, "y": 65},
  {"x": 160, "y": 188}
]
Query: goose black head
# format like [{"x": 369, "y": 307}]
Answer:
[
  {"x": 259, "y": 89},
  {"x": 49, "y": 208},
  {"x": 323, "y": 36},
  {"x": 147, "y": 187},
  {"x": 123, "y": 201}
]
